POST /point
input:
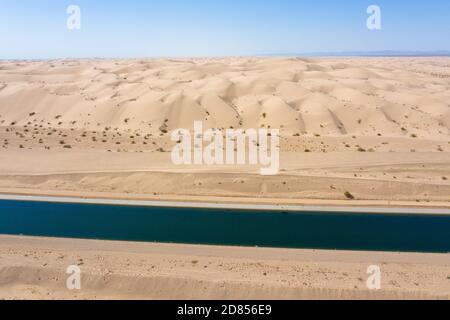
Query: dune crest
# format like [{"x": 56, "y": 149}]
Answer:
[{"x": 332, "y": 97}]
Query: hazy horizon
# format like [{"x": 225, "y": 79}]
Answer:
[{"x": 368, "y": 54}]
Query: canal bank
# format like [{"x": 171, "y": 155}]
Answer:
[{"x": 35, "y": 268}]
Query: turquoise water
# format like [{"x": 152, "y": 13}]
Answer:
[{"x": 341, "y": 231}]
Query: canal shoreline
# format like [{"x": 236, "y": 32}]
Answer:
[
  {"x": 356, "y": 207},
  {"x": 35, "y": 268}
]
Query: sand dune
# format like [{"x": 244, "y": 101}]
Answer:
[
  {"x": 345, "y": 96},
  {"x": 104, "y": 126}
]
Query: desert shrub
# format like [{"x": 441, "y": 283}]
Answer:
[{"x": 349, "y": 196}]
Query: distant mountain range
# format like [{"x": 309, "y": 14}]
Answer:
[{"x": 386, "y": 53}]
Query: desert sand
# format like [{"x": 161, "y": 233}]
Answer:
[
  {"x": 354, "y": 132},
  {"x": 35, "y": 268},
  {"x": 377, "y": 128}
]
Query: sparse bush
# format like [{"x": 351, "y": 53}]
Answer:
[
  {"x": 349, "y": 196},
  {"x": 163, "y": 129}
]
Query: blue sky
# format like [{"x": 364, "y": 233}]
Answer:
[{"x": 154, "y": 28}]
